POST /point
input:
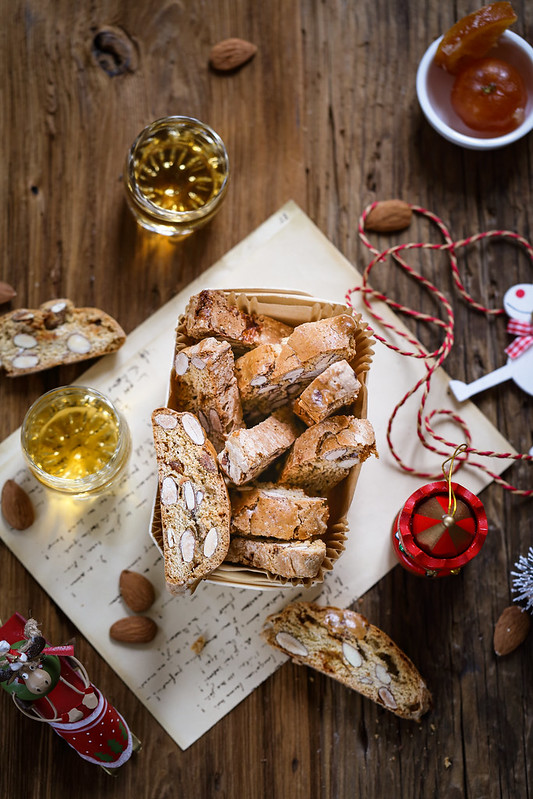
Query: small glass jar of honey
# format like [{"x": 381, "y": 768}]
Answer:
[
  {"x": 176, "y": 175},
  {"x": 75, "y": 441}
]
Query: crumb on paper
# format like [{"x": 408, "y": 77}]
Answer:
[
  {"x": 198, "y": 645},
  {"x": 447, "y": 762}
]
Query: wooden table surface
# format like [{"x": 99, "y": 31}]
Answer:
[{"x": 325, "y": 114}]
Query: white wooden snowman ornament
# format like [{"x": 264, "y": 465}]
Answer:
[{"x": 518, "y": 305}]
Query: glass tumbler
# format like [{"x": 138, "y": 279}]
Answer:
[
  {"x": 75, "y": 441},
  {"x": 176, "y": 175}
]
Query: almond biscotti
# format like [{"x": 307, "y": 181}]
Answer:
[
  {"x": 195, "y": 511},
  {"x": 322, "y": 456},
  {"x": 288, "y": 559},
  {"x": 210, "y": 314},
  {"x": 270, "y": 511},
  {"x": 343, "y": 645},
  {"x": 272, "y": 374},
  {"x": 56, "y": 333},
  {"x": 203, "y": 381},
  {"x": 335, "y": 388},
  {"x": 248, "y": 452}
]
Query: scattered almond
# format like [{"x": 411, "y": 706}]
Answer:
[
  {"x": 7, "y": 292},
  {"x": 134, "y": 630},
  {"x": 231, "y": 53},
  {"x": 389, "y": 216},
  {"x": 511, "y": 630},
  {"x": 17, "y": 507},
  {"x": 136, "y": 590}
]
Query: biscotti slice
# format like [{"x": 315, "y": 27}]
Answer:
[
  {"x": 203, "y": 381},
  {"x": 270, "y": 511},
  {"x": 248, "y": 452},
  {"x": 336, "y": 387},
  {"x": 270, "y": 375},
  {"x": 343, "y": 645},
  {"x": 56, "y": 333},
  {"x": 285, "y": 558},
  {"x": 195, "y": 511},
  {"x": 210, "y": 314},
  {"x": 321, "y": 457}
]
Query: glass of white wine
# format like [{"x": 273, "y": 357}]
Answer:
[
  {"x": 75, "y": 441},
  {"x": 176, "y": 175}
]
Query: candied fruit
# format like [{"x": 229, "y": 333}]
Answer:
[{"x": 473, "y": 36}]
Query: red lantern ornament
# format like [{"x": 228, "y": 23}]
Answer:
[{"x": 440, "y": 528}]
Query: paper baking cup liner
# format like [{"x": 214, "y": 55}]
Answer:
[{"x": 293, "y": 308}]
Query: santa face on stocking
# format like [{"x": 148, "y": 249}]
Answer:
[{"x": 518, "y": 305}]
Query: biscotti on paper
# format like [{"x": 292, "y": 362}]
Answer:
[
  {"x": 209, "y": 314},
  {"x": 342, "y": 644},
  {"x": 290, "y": 559},
  {"x": 203, "y": 381},
  {"x": 335, "y": 388},
  {"x": 273, "y": 374},
  {"x": 56, "y": 333},
  {"x": 248, "y": 452},
  {"x": 281, "y": 343},
  {"x": 323, "y": 455},
  {"x": 195, "y": 511},
  {"x": 271, "y": 511}
]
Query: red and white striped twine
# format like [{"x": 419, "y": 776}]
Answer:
[{"x": 433, "y": 360}]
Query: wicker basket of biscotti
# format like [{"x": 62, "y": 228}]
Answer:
[{"x": 262, "y": 439}]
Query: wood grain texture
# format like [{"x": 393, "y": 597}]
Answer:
[{"x": 325, "y": 114}]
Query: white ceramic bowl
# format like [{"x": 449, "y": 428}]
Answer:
[{"x": 434, "y": 86}]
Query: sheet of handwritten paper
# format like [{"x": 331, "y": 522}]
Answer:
[{"x": 77, "y": 549}]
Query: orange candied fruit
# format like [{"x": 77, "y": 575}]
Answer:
[{"x": 473, "y": 36}]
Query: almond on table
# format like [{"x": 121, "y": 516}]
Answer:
[
  {"x": 136, "y": 590},
  {"x": 7, "y": 292},
  {"x": 230, "y": 54},
  {"x": 17, "y": 507},
  {"x": 389, "y": 216},
  {"x": 512, "y": 628}
]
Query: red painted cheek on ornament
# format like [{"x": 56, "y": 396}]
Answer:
[{"x": 520, "y": 293}]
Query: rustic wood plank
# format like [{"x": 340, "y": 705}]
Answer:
[{"x": 325, "y": 114}]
